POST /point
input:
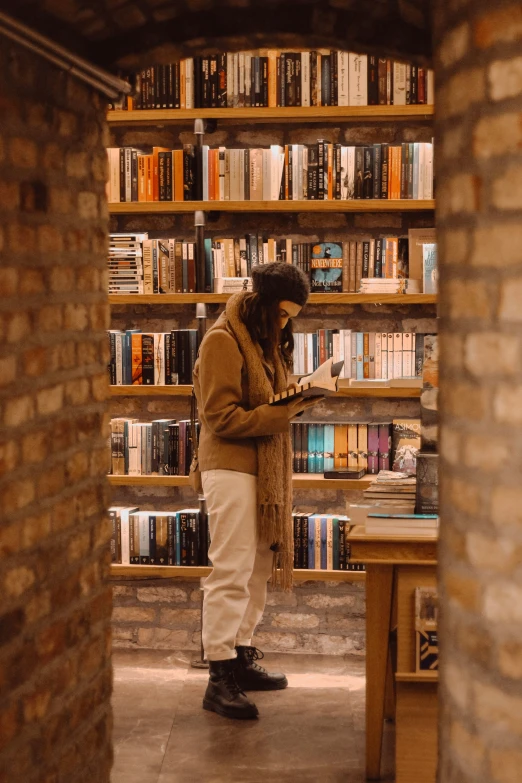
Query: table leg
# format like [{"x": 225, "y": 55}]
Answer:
[{"x": 379, "y": 589}]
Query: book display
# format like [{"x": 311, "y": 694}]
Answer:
[{"x": 156, "y": 263}]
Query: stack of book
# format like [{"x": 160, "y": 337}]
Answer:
[
  {"x": 152, "y": 359},
  {"x": 371, "y": 285},
  {"x": 320, "y": 171},
  {"x": 158, "y": 537},
  {"x": 366, "y": 355},
  {"x": 270, "y": 77},
  {"x": 400, "y": 523},
  {"x": 392, "y": 485},
  {"x": 125, "y": 263},
  {"x": 162, "y": 447}
]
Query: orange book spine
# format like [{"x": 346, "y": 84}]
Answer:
[
  {"x": 142, "y": 190},
  {"x": 396, "y": 178},
  {"x": 211, "y": 176},
  {"x": 137, "y": 363},
  {"x": 148, "y": 177},
  {"x": 272, "y": 78},
  {"x": 178, "y": 175}
]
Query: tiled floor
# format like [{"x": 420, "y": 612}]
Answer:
[{"x": 312, "y": 732}]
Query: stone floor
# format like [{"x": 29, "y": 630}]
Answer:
[{"x": 312, "y": 732}]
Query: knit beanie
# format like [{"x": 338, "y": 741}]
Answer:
[{"x": 280, "y": 282}]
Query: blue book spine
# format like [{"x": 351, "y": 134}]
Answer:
[
  {"x": 324, "y": 536},
  {"x": 328, "y": 446},
  {"x": 315, "y": 343},
  {"x": 311, "y": 541},
  {"x": 178, "y": 540},
  {"x": 311, "y": 448},
  {"x": 360, "y": 355},
  {"x": 319, "y": 448},
  {"x": 335, "y": 530}
]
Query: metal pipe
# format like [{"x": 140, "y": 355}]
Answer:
[{"x": 101, "y": 80}]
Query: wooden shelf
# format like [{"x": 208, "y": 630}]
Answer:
[
  {"x": 271, "y": 114},
  {"x": 169, "y": 572},
  {"x": 344, "y": 391},
  {"x": 351, "y": 205},
  {"x": 299, "y": 481},
  {"x": 417, "y": 676},
  {"x": 315, "y": 299}
]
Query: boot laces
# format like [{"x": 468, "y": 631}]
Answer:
[
  {"x": 232, "y": 684},
  {"x": 253, "y": 655}
]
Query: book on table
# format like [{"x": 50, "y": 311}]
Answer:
[{"x": 321, "y": 383}]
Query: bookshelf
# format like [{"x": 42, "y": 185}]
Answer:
[
  {"x": 336, "y": 205},
  {"x": 344, "y": 391},
  {"x": 314, "y": 299},
  {"x": 273, "y": 114},
  {"x": 299, "y": 481},
  {"x": 191, "y": 572}
]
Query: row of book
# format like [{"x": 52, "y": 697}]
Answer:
[
  {"x": 177, "y": 538},
  {"x": 274, "y": 78},
  {"x": 152, "y": 359},
  {"x": 293, "y": 172},
  {"x": 181, "y": 538},
  {"x": 320, "y": 447},
  {"x": 139, "y": 265},
  {"x": 162, "y": 447},
  {"x": 366, "y": 355}
]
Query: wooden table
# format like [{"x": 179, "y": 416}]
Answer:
[{"x": 395, "y": 566}]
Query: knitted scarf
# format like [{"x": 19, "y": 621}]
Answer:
[{"x": 274, "y": 453}]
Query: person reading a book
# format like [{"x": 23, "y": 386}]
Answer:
[{"x": 245, "y": 457}]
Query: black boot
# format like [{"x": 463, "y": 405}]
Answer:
[
  {"x": 252, "y": 677},
  {"x": 223, "y": 694}
]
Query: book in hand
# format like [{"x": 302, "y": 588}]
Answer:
[{"x": 321, "y": 383}]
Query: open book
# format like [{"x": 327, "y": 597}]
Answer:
[{"x": 321, "y": 383}]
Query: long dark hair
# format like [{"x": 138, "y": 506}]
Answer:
[{"x": 261, "y": 318}]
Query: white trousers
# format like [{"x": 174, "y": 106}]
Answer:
[{"x": 235, "y": 591}]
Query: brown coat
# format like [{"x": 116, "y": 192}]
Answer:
[{"x": 228, "y": 427}]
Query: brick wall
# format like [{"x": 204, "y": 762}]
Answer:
[
  {"x": 479, "y": 169},
  {"x": 331, "y": 635},
  {"x": 54, "y": 627}
]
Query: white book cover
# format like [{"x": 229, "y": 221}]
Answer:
[
  {"x": 407, "y": 342},
  {"x": 428, "y": 170},
  {"x": 422, "y": 170},
  {"x": 305, "y": 78},
  {"x": 310, "y": 353},
  {"x": 384, "y": 356},
  {"x": 342, "y": 78},
  {"x": 119, "y": 359},
  {"x": 128, "y": 174},
  {"x": 230, "y": 79},
  {"x": 159, "y": 359},
  {"x": 347, "y": 369},
  {"x": 125, "y": 541},
  {"x": 378, "y": 355},
  {"x": 399, "y": 83},
  {"x": 397, "y": 355},
  {"x": 336, "y": 346},
  {"x": 248, "y": 78},
  {"x": 358, "y": 79},
  {"x": 189, "y": 82},
  {"x": 340, "y": 350},
  {"x": 430, "y": 87},
  {"x": 114, "y": 173},
  {"x": 296, "y": 354},
  {"x": 235, "y": 76},
  {"x": 304, "y": 183},
  {"x": 350, "y": 173},
  {"x": 329, "y": 543},
  {"x": 221, "y": 159},
  {"x": 277, "y": 158},
  {"x": 227, "y": 175},
  {"x": 390, "y": 355}
]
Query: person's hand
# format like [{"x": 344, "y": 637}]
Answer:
[{"x": 296, "y": 407}]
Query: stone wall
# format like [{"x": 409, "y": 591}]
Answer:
[
  {"x": 302, "y": 227},
  {"x": 55, "y": 684},
  {"x": 479, "y": 168},
  {"x": 317, "y": 617}
]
